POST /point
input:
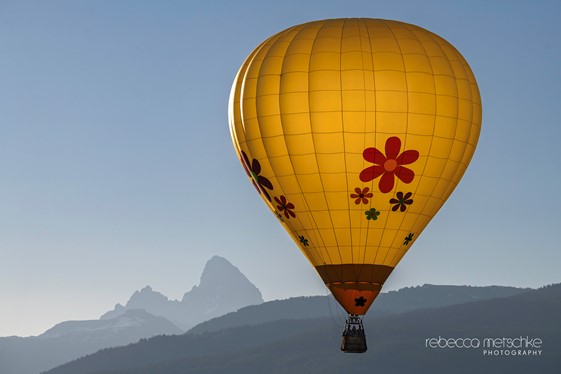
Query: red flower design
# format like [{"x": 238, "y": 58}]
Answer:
[
  {"x": 389, "y": 165},
  {"x": 284, "y": 205},
  {"x": 361, "y": 195},
  {"x": 253, "y": 169}
]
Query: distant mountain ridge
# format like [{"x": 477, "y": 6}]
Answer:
[
  {"x": 71, "y": 339},
  {"x": 396, "y": 343},
  {"x": 222, "y": 289},
  {"x": 132, "y": 318}
]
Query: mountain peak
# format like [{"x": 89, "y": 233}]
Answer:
[
  {"x": 223, "y": 288},
  {"x": 217, "y": 269},
  {"x": 217, "y": 258}
]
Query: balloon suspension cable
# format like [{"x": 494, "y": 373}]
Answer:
[{"x": 353, "y": 339}]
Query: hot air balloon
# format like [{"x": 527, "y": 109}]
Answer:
[{"x": 355, "y": 132}]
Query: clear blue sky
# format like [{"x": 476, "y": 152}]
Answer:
[{"x": 117, "y": 169}]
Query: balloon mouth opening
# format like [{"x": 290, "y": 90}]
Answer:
[{"x": 354, "y": 286}]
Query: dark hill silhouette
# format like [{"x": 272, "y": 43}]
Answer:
[
  {"x": 430, "y": 295},
  {"x": 397, "y": 343},
  {"x": 403, "y": 300}
]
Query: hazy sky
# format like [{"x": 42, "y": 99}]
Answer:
[{"x": 117, "y": 169}]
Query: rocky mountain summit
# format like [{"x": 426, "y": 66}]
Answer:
[{"x": 222, "y": 289}]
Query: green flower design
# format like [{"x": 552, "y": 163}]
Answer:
[
  {"x": 303, "y": 240},
  {"x": 279, "y": 216},
  {"x": 372, "y": 214}
]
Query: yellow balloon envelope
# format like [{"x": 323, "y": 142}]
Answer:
[{"x": 355, "y": 132}]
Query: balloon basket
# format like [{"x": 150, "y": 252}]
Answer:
[{"x": 353, "y": 339}]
